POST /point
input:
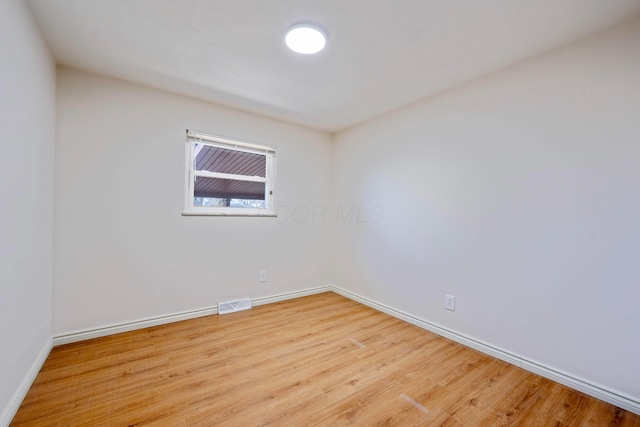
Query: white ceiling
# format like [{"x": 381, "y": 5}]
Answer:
[{"x": 381, "y": 54}]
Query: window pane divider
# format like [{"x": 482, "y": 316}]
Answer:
[{"x": 232, "y": 176}]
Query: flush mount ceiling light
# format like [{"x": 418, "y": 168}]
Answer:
[{"x": 306, "y": 38}]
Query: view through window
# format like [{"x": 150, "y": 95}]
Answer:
[{"x": 228, "y": 176}]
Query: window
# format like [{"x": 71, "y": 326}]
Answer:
[{"x": 228, "y": 177}]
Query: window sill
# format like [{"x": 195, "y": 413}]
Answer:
[{"x": 253, "y": 213}]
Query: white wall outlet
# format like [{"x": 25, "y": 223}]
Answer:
[
  {"x": 450, "y": 302},
  {"x": 263, "y": 276}
]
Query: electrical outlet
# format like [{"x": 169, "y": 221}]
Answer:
[
  {"x": 450, "y": 302},
  {"x": 263, "y": 276}
]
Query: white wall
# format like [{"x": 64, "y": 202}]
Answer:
[
  {"x": 124, "y": 252},
  {"x": 519, "y": 194},
  {"x": 27, "y": 134}
]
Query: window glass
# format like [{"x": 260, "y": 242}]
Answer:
[{"x": 228, "y": 177}]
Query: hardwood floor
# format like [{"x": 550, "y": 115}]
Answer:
[{"x": 321, "y": 360}]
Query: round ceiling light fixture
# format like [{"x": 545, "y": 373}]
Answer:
[{"x": 306, "y": 38}]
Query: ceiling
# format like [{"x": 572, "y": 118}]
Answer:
[{"x": 381, "y": 54}]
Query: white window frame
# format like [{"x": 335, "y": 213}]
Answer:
[{"x": 269, "y": 151}]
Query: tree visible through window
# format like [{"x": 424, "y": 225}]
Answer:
[{"x": 228, "y": 177}]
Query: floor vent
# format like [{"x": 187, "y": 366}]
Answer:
[{"x": 233, "y": 306}]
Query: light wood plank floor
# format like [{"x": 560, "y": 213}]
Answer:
[{"x": 321, "y": 360}]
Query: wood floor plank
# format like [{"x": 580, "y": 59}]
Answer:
[{"x": 318, "y": 360}]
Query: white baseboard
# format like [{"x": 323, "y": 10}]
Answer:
[
  {"x": 18, "y": 396},
  {"x": 290, "y": 295},
  {"x": 131, "y": 326},
  {"x": 598, "y": 391},
  {"x": 175, "y": 317}
]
